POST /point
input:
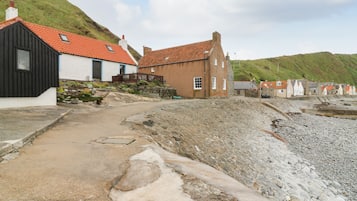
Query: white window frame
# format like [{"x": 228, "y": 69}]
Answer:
[
  {"x": 23, "y": 59},
  {"x": 109, "y": 48},
  {"x": 224, "y": 84},
  {"x": 197, "y": 83},
  {"x": 64, "y": 37},
  {"x": 215, "y": 62},
  {"x": 214, "y": 82},
  {"x": 222, "y": 64}
]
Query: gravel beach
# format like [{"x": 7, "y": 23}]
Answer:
[
  {"x": 300, "y": 158},
  {"x": 330, "y": 144}
]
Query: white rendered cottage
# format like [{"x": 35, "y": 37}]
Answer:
[
  {"x": 82, "y": 58},
  {"x": 34, "y": 57}
]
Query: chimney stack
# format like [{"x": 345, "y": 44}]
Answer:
[
  {"x": 216, "y": 37},
  {"x": 147, "y": 50},
  {"x": 123, "y": 43},
  {"x": 11, "y": 12}
]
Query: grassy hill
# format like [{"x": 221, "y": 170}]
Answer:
[
  {"x": 62, "y": 15},
  {"x": 323, "y": 66}
]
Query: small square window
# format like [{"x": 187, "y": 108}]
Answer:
[
  {"x": 109, "y": 48},
  {"x": 23, "y": 59},
  {"x": 222, "y": 64},
  {"x": 215, "y": 62},
  {"x": 64, "y": 37},
  {"x": 224, "y": 84},
  {"x": 197, "y": 83}
]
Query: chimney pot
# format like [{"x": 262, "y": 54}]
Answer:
[
  {"x": 12, "y": 3},
  {"x": 123, "y": 37}
]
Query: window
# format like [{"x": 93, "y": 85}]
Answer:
[
  {"x": 23, "y": 59},
  {"x": 122, "y": 69},
  {"x": 278, "y": 83},
  {"x": 214, "y": 83},
  {"x": 224, "y": 84},
  {"x": 222, "y": 64},
  {"x": 64, "y": 38},
  {"x": 197, "y": 83},
  {"x": 110, "y": 49},
  {"x": 215, "y": 62}
]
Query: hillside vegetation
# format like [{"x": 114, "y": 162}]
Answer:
[
  {"x": 62, "y": 15},
  {"x": 322, "y": 67}
]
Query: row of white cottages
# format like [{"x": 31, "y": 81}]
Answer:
[
  {"x": 34, "y": 57},
  {"x": 294, "y": 88}
]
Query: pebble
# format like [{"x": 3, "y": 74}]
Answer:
[{"x": 330, "y": 145}]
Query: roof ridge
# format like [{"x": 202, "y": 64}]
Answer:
[
  {"x": 68, "y": 32},
  {"x": 181, "y": 46}
]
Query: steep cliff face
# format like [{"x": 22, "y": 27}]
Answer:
[{"x": 62, "y": 15}]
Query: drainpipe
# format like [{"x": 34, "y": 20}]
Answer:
[{"x": 204, "y": 73}]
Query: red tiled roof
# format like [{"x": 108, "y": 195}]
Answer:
[
  {"x": 185, "y": 53},
  {"x": 328, "y": 87},
  {"x": 78, "y": 45},
  {"x": 273, "y": 85},
  {"x": 9, "y": 22}
]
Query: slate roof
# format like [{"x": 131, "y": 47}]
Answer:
[
  {"x": 179, "y": 54},
  {"x": 244, "y": 85},
  {"x": 76, "y": 45}
]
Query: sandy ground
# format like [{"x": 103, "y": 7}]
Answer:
[{"x": 66, "y": 163}]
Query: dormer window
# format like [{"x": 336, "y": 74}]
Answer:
[
  {"x": 110, "y": 49},
  {"x": 64, "y": 38}
]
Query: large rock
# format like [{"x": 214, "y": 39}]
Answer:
[{"x": 139, "y": 174}]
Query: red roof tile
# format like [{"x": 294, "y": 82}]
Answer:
[
  {"x": 78, "y": 45},
  {"x": 273, "y": 85},
  {"x": 185, "y": 53},
  {"x": 9, "y": 22}
]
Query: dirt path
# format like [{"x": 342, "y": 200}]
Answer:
[{"x": 66, "y": 163}]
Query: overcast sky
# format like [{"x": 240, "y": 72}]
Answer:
[{"x": 250, "y": 29}]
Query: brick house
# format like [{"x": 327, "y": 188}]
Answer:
[{"x": 198, "y": 70}]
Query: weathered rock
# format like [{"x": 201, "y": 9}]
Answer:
[
  {"x": 200, "y": 191},
  {"x": 140, "y": 173}
]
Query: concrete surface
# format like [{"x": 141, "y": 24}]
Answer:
[{"x": 21, "y": 125}]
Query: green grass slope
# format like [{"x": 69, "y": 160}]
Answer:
[
  {"x": 62, "y": 15},
  {"x": 322, "y": 66}
]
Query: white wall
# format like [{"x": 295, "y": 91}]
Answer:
[
  {"x": 109, "y": 69},
  {"x": 47, "y": 98},
  {"x": 80, "y": 68},
  {"x": 75, "y": 68},
  {"x": 130, "y": 69}
]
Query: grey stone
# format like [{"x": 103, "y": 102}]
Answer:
[{"x": 139, "y": 174}]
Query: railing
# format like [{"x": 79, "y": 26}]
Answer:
[{"x": 135, "y": 77}]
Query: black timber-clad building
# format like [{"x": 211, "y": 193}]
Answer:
[{"x": 28, "y": 66}]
